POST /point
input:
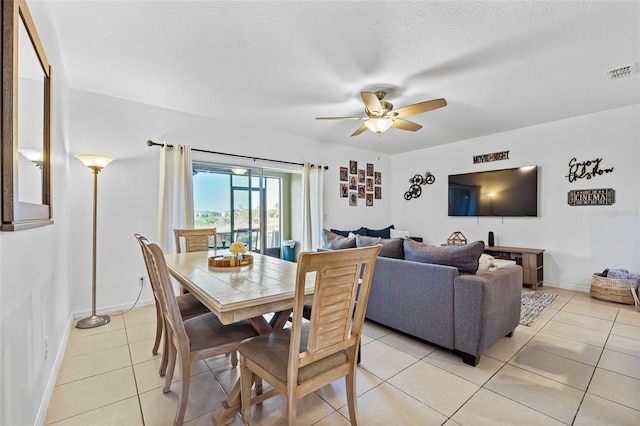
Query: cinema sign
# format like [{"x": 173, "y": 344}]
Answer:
[{"x": 592, "y": 197}]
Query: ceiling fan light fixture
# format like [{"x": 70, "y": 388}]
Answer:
[{"x": 379, "y": 125}]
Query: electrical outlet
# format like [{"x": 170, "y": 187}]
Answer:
[
  {"x": 141, "y": 281},
  {"x": 46, "y": 347}
]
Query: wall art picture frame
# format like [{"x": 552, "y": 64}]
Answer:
[
  {"x": 344, "y": 174},
  {"x": 353, "y": 182},
  {"x": 378, "y": 178},
  {"x": 353, "y": 199},
  {"x": 344, "y": 190},
  {"x": 361, "y": 191},
  {"x": 378, "y": 192},
  {"x": 353, "y": 167},
  {"x": 370, "y": 200},
  {"x": 361, "y": 176},
  {"x": 370, "y": 184},
  {"x": 370, "y": 169}
]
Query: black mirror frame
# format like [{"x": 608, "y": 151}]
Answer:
[{"x": 17, "y": 215}]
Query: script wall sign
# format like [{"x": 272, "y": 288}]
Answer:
[
  {"x": 592, "y": 197},
  {"x": 495, "y": 156},
  {"x": 585, "y": 169}
]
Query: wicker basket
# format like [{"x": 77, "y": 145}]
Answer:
[{"x": 613, "y": 289}]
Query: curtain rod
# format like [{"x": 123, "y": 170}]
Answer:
[{"x": 152, "y": 143}]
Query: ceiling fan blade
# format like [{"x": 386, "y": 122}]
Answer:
[
  {"x": 405, "y": 125},
  {"x": 418, "y": 108},
  {"x": 372, "y": 103},
  {"x": 342, "y": 118},
  {"x": 360, "y": 130}
]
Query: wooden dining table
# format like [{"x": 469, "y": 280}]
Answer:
[{"x": 239, "y": 293}]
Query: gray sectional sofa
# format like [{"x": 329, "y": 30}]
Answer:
[{"x": 434, "y": 294}]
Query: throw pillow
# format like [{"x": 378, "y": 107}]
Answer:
[
  {"x": 334, "y": 241},
  {"x": 464, "y": 257},
  {"x": 360, "y": 231},
  {"x": 382, "y": 233},
  {"x": 396, "y": 233},
  {"x": 390, "y": 247},
  {"x": 486, "y": 263}
]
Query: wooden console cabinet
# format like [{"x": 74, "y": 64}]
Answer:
[{"x": 531, "y": 260}]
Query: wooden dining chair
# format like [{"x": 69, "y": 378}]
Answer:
[
  {"x": 299, "y": 360},
  {"x": 195, "y": 239},
  {"x": 192, "y": 340},
  {"x": 188, "y": 305}
]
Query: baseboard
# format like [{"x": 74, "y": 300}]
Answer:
[
  {"x": 114, "y": 309},
  {"x": 575, "y": 287},
  {"x": 53, "y": 376}
]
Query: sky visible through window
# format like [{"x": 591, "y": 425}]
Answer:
[{"x": 212, "y": 192}]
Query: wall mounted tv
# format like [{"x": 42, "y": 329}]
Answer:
[{"x": 507, "y": 192}]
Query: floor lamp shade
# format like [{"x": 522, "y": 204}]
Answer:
[{"x": 96, "y": 163}]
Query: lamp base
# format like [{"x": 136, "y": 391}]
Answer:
[{"x": 93, "y": 321}]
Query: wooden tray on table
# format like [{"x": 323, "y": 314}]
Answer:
[{"x": 221, "y": 262}]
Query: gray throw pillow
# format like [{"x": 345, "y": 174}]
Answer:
[
  {"x": 464, "y": 257},
  {"x": 336, "y": 242},
  {"x": 390, "y": 247}
]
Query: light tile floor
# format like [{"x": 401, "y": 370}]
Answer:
[{"x": 578, "y": 364}]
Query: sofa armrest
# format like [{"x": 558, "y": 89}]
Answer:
[{"x": 487, "y": 307}]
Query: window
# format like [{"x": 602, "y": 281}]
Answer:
[{"x": 243, "y": 204}]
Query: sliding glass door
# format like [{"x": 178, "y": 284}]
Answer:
[{"x": 242, "y": 204}]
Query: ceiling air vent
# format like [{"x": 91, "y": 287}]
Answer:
[{"x": 622, "y": 72}]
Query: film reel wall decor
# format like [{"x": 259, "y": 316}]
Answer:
[{"x": 415, "y": 190}]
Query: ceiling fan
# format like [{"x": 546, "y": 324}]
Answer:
[{"x": 381, "y": 115}]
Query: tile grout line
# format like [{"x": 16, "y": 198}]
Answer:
[
  {"x": 575, "y": 416},
  {"x": 133, "y": 371}
]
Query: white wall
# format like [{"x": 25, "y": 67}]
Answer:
[
  {"x": 578, "y": 240},
  {"x": 128, "y": 188},
  {"x": 34, "y": 275}
]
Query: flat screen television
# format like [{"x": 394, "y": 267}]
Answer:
[{"x": 506, "y": 192}]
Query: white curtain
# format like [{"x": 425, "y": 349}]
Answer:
[
  {"x": 176, "y": 194},
  {"x": 313, "y": 206}
]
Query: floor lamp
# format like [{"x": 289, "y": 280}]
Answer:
[{"x": 96, "y": 163}]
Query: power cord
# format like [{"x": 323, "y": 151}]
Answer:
[{"x": 134, "y": 303}]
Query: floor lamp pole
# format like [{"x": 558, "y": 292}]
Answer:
[{"x": 90, "y": 161}]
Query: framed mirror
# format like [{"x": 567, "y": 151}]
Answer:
[{"x": 26, "y": 122}]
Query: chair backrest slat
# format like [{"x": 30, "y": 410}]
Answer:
[
  {"x": 337, "y": 282},
  {"x": 195, "y": 239}
]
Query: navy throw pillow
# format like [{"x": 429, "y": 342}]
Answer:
[{"x": 382, "y": 233}]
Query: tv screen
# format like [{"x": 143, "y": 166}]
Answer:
[{"x": 507, "y": 192}]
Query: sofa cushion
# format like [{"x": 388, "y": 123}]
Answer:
[
  {"x": 382, "y": 233},
  {"x": 334, "y": 241},
  {"x": 390, "y": 247},
  {"x": 464, "y": 257},
  {"x": 361, "y": 231}
]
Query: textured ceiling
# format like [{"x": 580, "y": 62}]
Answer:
[{"x": 278, "y": 65}]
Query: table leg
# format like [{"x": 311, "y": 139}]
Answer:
[{"x": 224, "y": 414}]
